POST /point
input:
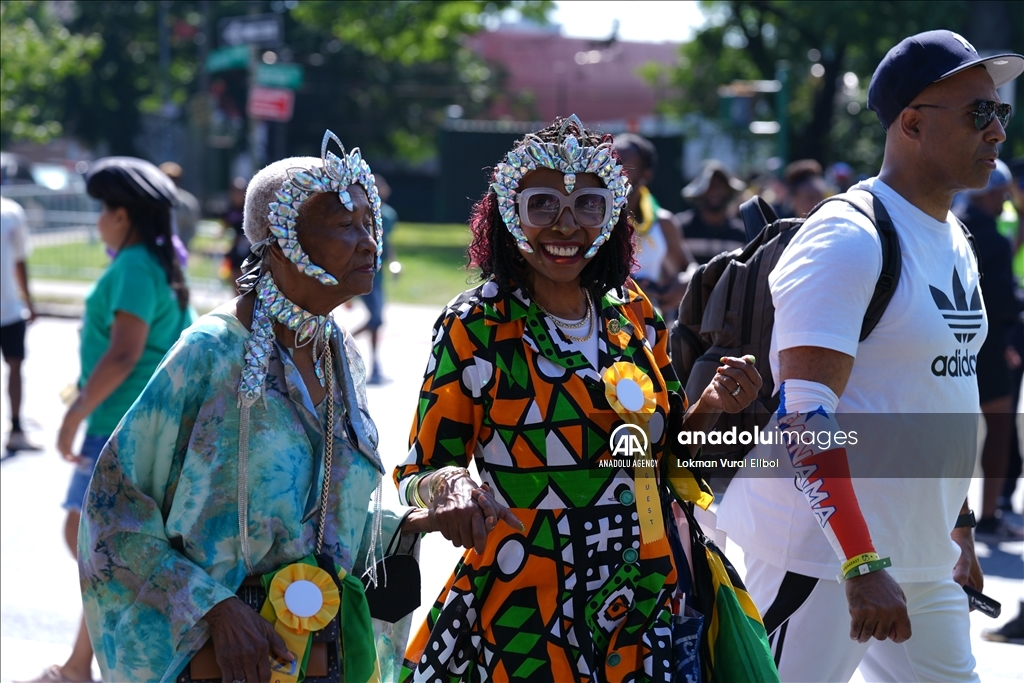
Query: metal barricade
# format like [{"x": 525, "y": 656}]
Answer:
[
  {"x": 62, "y": 231},
  {"x": 66, "y": 245}
]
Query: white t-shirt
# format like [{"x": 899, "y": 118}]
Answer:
[
  {"x": 14, "y": 248},
  {"x": 913, "y": 362}
]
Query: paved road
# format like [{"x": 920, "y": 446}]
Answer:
[{"x": 39, "y": 606}]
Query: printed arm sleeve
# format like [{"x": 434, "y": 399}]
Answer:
[
  {"x": 144, "y": 600},
  {"x": 807, "y": 409},
  {"x": 450, "y": 410},
  {"x": 821, "y": 289}
]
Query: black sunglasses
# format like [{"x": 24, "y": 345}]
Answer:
[{"x": 984, "y": 112}]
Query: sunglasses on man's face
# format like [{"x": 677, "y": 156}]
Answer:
[
  {"x": 540, "y": 207},
  {"x": 983, "y": 112}
]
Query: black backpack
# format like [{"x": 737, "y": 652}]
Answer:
[{"x": 728, "y": 311}]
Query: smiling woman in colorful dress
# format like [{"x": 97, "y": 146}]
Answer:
[
  {"x": 530, "y": 373},
  {"x": 249, "y": 463}
]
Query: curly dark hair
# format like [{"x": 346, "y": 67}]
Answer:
[{"x": 494, "y": 250}]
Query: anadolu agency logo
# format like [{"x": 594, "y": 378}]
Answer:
[
  {"x": 964, "y": 320},
  {"x": 628, "y": 444},
  {"x": 628, "y": 441}
]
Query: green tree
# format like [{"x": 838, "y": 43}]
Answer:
[
  {"x": 38, "y": 57},
  {"x": 105, "y": 105},
  {"x": 831, "y": 49},
  {"x": 380, "y": 74},
  {"x": 397, "y": 66}
]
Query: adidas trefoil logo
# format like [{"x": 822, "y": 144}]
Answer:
[{"x": 963, "y": 319}]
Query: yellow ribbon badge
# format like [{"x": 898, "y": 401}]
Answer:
[
  {"x": 302, "y": 598},
  {"x": 630, "y": 393}
]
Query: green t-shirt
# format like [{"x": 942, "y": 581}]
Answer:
[{"x": 134, "y": 283}]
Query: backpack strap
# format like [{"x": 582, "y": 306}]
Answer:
[
  {"x": 892, "y": 256},
  {"x": 971, "y": 242},
  {"x": 756, "y": 213}
]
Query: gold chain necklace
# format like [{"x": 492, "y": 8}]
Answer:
[
  {"x": 581, "y": 338},
  {"x": 563, "y": 326},
  {"x": 328, "y": 447},
  {"x": 569, "y": 326}
]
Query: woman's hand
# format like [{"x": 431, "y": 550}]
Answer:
[
  {"x": 128, "y": 335},
  {"x": 734, "y": 386},
  {"x": 68, "y": 429},
  {"x": 244, "y": 642},
  {"x": 465, "y": 513},
  {"x": 493, "y": 510}
]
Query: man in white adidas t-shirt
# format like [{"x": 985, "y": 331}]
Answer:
[{"x": 900, "y": 543}]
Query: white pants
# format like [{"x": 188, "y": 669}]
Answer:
[{"x": 809, "y": 622}]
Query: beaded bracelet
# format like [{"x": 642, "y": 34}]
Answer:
[{"x": 868, "y": 567}]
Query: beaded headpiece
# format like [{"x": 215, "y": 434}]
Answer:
[
  {"x": 570, "y": 156},
  {"x": 336, "y": 175}
]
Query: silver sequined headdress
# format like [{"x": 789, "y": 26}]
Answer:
[
  {"x": 570, "y": 155},
  {"x": 333, "y": 174},
  {"x": 336, "y": 175}
]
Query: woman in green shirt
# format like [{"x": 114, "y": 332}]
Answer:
[{"x": 133, "y": 314}]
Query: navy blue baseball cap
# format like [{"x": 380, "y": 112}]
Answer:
[{"x": 920, "y": 60}]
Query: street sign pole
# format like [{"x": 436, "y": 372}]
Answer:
[
  {"x": 782, "y": 113},
  {"x": 251, "y": 32},
  {"x": 257, "y": 127}
]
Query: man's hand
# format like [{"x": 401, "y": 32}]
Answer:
[
  {"x": 878, "y": 608},
  {"x": 244, "y": 642},
  {"x": 967, "y": 570}
]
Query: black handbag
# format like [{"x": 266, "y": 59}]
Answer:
[{"x": 397, "y": 592}]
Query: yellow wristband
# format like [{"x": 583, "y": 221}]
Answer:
[{"x": 858, "y": 560}]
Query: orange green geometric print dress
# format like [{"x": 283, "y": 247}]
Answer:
[{"x": 578, "y": 596}]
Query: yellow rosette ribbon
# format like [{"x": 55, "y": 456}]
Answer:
[
  {"x": 301, "y": 598},
  {"x": 630, "y": 393}
]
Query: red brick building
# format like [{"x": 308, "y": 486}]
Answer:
[{"x": 549, "y": 74}]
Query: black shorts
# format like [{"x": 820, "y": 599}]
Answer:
[{"x": 12, "y": 340}]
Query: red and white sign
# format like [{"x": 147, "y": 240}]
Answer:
[{"x": 271, "y": 104}]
